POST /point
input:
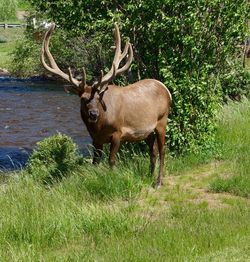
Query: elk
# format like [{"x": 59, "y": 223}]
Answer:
[{"x": 115, "y": 114}]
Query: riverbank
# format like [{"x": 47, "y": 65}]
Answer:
[
  {"x": 4, "y": 72},
  {"x": 96, "y": 213}
]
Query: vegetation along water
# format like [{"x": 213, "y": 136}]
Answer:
[{"x": 60, "y": 207}]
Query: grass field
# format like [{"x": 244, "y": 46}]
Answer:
[
  {"x": 234, "y": 121},
  {"x": 98, "y": 214},
  {"x": 8, "y": 40},
  {"x": 9, "y": 37}
]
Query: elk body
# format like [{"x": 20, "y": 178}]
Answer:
[{"x": 114, "y": 114}]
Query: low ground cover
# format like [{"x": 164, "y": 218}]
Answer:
[{"x": 94, "y": 213}]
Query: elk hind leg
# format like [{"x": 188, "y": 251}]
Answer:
[
  {"x": 160, "y": 131},
  {"x": 153, "y": 151}
]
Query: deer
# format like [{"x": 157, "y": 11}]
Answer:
[{"x": 113, "y": 114}]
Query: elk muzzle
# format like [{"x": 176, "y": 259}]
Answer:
[{"x": 93, "y": 115}]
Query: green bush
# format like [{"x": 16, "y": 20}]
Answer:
[
  {"x": 184, "y": 44},
  {"x": 26, "y": 61},
  {"x": 235, "y": 82},
  {"x": 195, "y": 101},
  {"x": 54, "y": 158}
]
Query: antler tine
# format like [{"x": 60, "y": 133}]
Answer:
[
  {"x": 125, "y": 51},
  {"x": 97, "y": 84},
  {"x": 118, "y": 57},
  {"x": 116, "y": 60},
  {"x": 129, "y": 61},
  {"x": 45, "y": 50},
  {"x": 72, "y": 79},
  {"x": 53, "y": 68},
  {"x": 83, "y": 82}
]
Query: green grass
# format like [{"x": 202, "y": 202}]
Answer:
[
  {"x": 11, "y": 36},
  {"x": 7, "y": 9},
  {"x": 66, "y": 223},
  {"x": 234, "y": 137},
  {"x": 97, "y": 214},
  {"x": 23, "y": 5}
]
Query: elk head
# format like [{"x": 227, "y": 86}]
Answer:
[{"x": 91, "y": 95}]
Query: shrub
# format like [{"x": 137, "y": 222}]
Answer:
[
  {"x": 195, "y": 103},
  {"x": 235, "y": 82},
  {"x": 54, "y": 158},
  {"x": 26, "y": 60},
  {"x": 184, "y": 44}
]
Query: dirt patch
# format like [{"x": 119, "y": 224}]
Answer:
[{"x": 188, "y": 187}]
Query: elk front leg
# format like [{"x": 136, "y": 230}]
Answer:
[
  {"x": 98, "y": 149},
  {"x": 114, "y": 147}
]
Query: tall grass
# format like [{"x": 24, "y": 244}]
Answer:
[
  {"x": 7, "y": 9},
  {"x": 23, "y": 5},
  {"x": 100, "y": 214},
  {"x": 62, "y": 223},
  {"x": 234, "y": 137}
]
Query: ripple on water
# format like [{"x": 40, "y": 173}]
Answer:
[{"x": 31, "y": 110}]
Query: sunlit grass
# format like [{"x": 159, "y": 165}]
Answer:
[
  {"x": 10, "y": 36},
  {"x": 63, "y": 223},
  {"x": 94, "y": 213},
  {"x": 234, "y": 138}
]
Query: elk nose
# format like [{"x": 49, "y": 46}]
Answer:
[{"x": 93, "y": 113}]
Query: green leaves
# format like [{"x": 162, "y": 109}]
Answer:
[
  {"x": 54, "y": 158},
  {"x": 185, "y": 44}
]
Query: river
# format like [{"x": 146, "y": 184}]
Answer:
[{"x": 31, "y": 110}]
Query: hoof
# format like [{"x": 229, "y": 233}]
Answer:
[{"x": 158, "y": 184}]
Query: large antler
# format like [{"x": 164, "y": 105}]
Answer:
[
  {"x": 53, "y": 67},
  {"x": 119, "y": 56}
]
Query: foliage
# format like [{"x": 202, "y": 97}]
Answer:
[
  {"x": 191, "y": 124},
  {"x": 235, "y": 82},
  {"x": 184, "y": 44},
  {"x": 25, "y": 58},
  {"x": 54, "y": 158},
  {"x": 234, "y": 138},
  {"x": 182, "y": 35},
  {"x": 7, "y": 9}
]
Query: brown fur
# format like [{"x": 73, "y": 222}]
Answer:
[
  {"x": 133, "y": 113},
  {"x": 114, "y": 114}
]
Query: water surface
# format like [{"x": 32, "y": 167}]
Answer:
[{"x": 31, "y": 110}]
